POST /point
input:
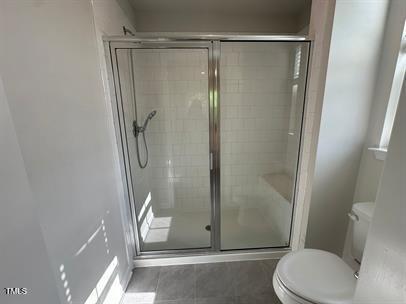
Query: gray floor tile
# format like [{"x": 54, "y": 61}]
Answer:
[
  {"x": 216, "y": 300},
  {"x": 139, "y": 300},
  {"x": 251, "y": 279},
  {"x": 144, "y": 280},
  {"x": 248, "y": 282},
  {"x": 176, "y": 283},
  {"x": 187, "y": 301},
  {"x": 261, "y": 298},
  {"x": 214, "y": 280},
  {"x": 269, "y": 266}
]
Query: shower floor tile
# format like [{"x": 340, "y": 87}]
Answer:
[
  {"x": 178, "y": 230},
  {"x": 175, "y": 230}
]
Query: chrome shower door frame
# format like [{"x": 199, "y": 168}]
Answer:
[
  {"x": 212, "y": 43},
  {"x": 111, "y": 47}
]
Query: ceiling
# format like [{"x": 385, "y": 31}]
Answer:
[{"x": 232, "y": 7}]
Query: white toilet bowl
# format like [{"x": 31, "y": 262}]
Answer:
[{"x": 311, "y": 276}]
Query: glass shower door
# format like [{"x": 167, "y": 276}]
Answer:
[
  {"x": 261, "y": 109},
  {"x": 165, "y": 110}
]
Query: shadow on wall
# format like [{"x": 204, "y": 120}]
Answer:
[
  {"x": 105, "y": 287},
  {"x": 327, "y": 215}
]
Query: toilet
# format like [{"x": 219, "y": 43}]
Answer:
[{"x": 312, "y": 276}]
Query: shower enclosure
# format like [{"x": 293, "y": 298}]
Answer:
[{"x": 210, "y": 136}]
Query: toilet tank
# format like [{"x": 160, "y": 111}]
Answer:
[{"x": 360, "y": 215}]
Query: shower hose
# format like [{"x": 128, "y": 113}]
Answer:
[{"x": 142, "y": 166}]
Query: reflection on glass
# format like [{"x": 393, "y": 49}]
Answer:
[
  {"x": 261, "y": 108},
  {"x": 172, "y": 192}
]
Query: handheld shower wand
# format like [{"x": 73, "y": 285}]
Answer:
[{"x": 141, "y": 129}]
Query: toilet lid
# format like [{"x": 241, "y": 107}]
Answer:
[{"x": 317, "y": 276}]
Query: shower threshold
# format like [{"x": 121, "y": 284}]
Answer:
[{"x": 201, "y": 257}]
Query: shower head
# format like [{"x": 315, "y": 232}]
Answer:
[
  {"x": 137, "y": 129},
  {"x": 152, "y": 114},
  {"x": 149, "y": 117}
]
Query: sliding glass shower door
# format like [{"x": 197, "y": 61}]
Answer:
[
  {"x": 261, "y": 108},
  {"x": 165, "y": 109}
]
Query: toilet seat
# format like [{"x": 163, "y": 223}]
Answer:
[
  {"x": 285, "y": 295},
  {"x": 315, "y": 276}
]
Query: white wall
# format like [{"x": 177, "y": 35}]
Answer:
[
  {"x": 371, "y": 168},
  {"x": 52, "y": 79},
  {"x": 124, "y": 7},
  {"x": 383, "y": 270},
  {"x": 353, "y": 61},
  {"x": 319, "y": 30},
  {"x": 369, "y": 176},
  {"x": 21, "y": 238},
  {"x": 109, "y": 19},
  {"x": 182, "y": 21}
]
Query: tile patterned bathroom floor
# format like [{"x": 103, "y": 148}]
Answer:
[{"x": 248, "y": 282}]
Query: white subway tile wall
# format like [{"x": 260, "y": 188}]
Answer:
[
  {"x": 174, "y": 82},
  {"x": 261, "y": 105},
  {"x": 174, "y": 188},
  {"x": 140, "y": 177}
]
